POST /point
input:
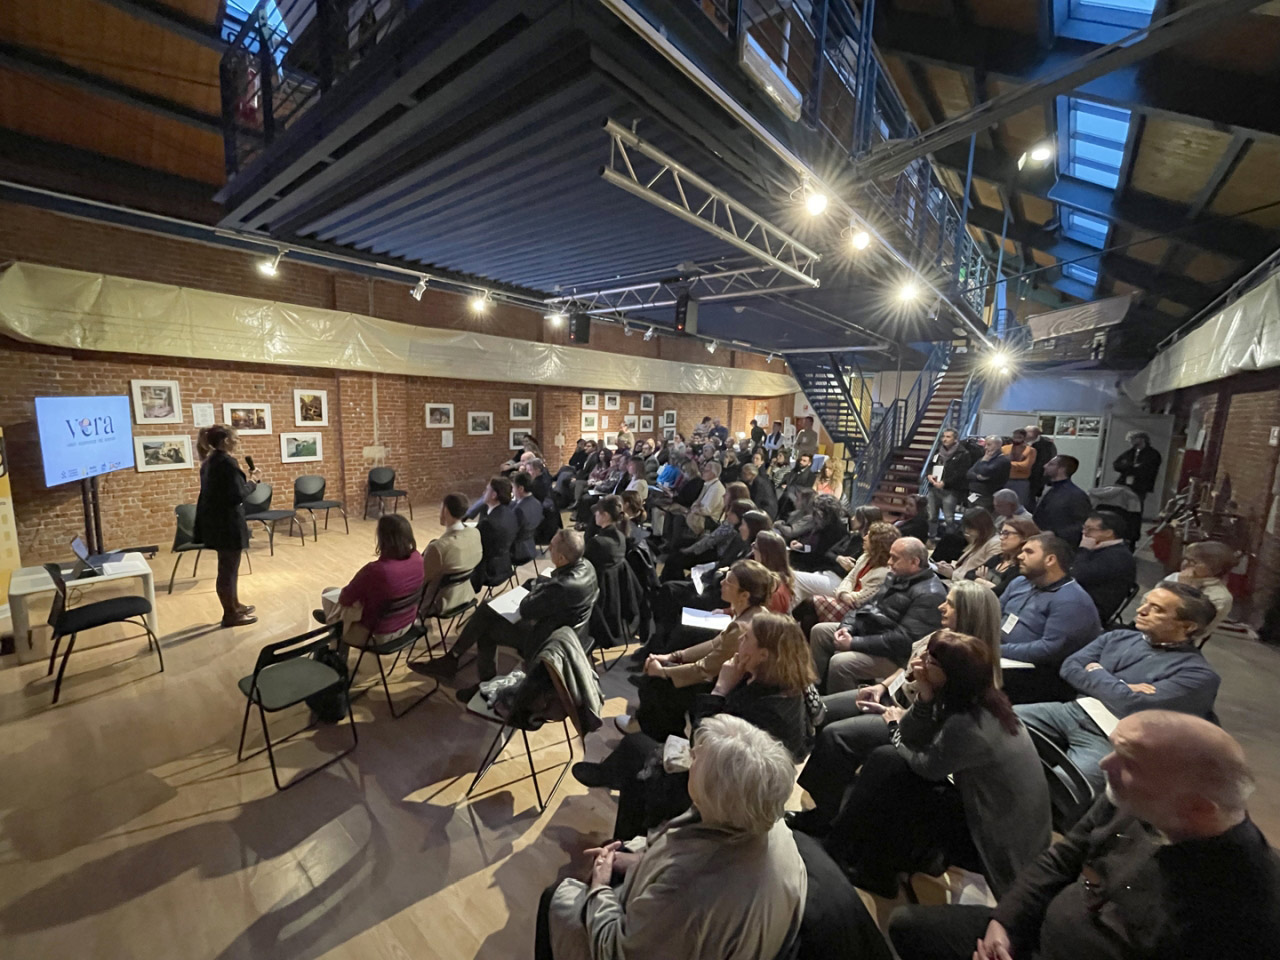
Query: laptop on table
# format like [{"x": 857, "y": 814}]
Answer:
[{"x": 91, "y": 565}]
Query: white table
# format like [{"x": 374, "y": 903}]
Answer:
[{"x": 33, "y": 581}]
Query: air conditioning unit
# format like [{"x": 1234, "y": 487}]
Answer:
[{"x": 770, "y": 75}]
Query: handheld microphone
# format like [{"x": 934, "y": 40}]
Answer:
[{"x": 249, "y": 461}]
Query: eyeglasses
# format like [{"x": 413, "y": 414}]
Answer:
[{"x": 1008, "y": 533}]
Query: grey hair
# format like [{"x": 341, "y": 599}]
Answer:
[
  {"x": 714, "y": 466},
  {"x": 998, "y": 439},
  {"x": 1005, "y": 495},
  {"x": 912, "y": 547},
  {"x": 1133, "y": 435},
  {"x": 572, "y": 545},
  {"x": 535, "y": 462},
  {"x": 744, "y": 776}
]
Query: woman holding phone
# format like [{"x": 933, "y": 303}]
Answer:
[{"x": 220, "y": 523}]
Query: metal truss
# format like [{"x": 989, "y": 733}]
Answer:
[
  {"x": 704, "y": 287},
  {"x": 680, "y": 191}
]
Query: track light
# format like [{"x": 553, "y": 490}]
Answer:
[
  {"x": 626, "y": 329},
  {"x": 860, "y": 240},
  {"x": 271, "y": 266},
  {"x": 1038, "y": 155},
  {"x": 556, "y": 317},
  {"x": 711, "y": 346},
  {"x": 998, "y": 361},
  {"x": 648, "y": 334},
  {"x": 769, "y": 358},
  {"x": 814, "y": 200},
  {"x": 909, "y": 292},
  {"x": 419, "y": 289},
  {"x": 480, "y": 303}
]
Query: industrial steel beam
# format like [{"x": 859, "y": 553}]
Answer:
[
  {"x": 680, "y": 191},
  {"x": 1179, "y": 26},
  {"x": 724, "y": 285},
  {"x": 40, "y": 64},
  {"x": 175, "y": 21}
]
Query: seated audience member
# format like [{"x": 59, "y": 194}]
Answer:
[
  {"x": 671, "y": 681},
  {"x": 563, "y": 599},
  {"x": 708, "y": 506},
  {"x": 961, "y": 784},
  {"x": 1156, "y": 667},
  {"x": 764, "y": 683},
  {"x": 1005, "y": 504},
  {"x": 824, "y": 573},
  {"x": 827, "y": 529},
  {"x": 668, "y": 475},
  {"x": 598, "y": 468},
  {"x": 637, "y": 481},
  {"x": 914, "y": 521},
  {"x": 724, "y": 879},
  {"x": 1103, "y": 565},
  {"x": 608, "y": 543},
  {"x": 988, "y": 474},
  {"x": 721, "y": 545},
  {"x": 801, "y": 477},
  {"x": 761, "y": 489},
  {"x": 528, "y": 511},
  {"x": 796, "y": 516},
  {"x": 830, "y": 479},
  {"x": 616, "y": 612},
  {"x": 1166, "y": 864},
  {"x": 854, "y": 725},
  {"x": 396, "y": 574},
  {"x": 1047, "y": 617},
  {"x": 982, "y": 544},
  {"x": 875, "y": 639},
  {"x": 498, "y": 529},
  {"x": 770, "y": 551},
  {"x": 457, "y": 550},
  {"x": 865, "y": 577},
  {"x": 948, "y": 485},
  {"x": 1204, "y": 565},
  {"x": 1001, "y": 570},
  {"x": 730, "y": 468},
  {"x": 1022, "y": 460},
  {"x": 626, "y": 438},
  {"x": 580, "y": 453},
  {"x": 1063, "y": 506},
  {"x": 541, "y": 486},
  {"x": 779, "y": 469}
]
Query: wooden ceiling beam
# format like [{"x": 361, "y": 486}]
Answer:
[{"x": 175, "y": 21}]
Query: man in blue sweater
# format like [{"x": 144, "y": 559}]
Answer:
[
  {"x": 1047, "y": 617},
  {"x": 1063, "y": 507},
  {"x": 1156, "y": 667}
]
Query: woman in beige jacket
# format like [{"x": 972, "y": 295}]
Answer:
[{"x": 983, "y": 544}]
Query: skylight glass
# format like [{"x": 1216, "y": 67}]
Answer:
[
  {"x": 1078, "y": 271},
  {"x": 1101, "y": 21},
  {"x": 1084, "y": 228},
  {"x": 1096, "y": 136}
]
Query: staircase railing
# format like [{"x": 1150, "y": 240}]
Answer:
[{"x": 921, "y": 392}]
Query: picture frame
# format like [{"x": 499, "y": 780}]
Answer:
[
  {"x": 156, "y": 401},
  {"x": 248, "y": 419},
  {"x": 310, "y": 408},
  {"x": 646, "y": 402},
  {"x": 301, "y": 446},
  {"x": 590, "y": 400},
  {"x": 593, "y": 437},
  {"x": 646, "y": 424},
  {"x": 1088, "y": 426},
  {"x": 520, "y": 409},
  {"x": 611, "y": 440},
  {"x": 668, "y": 418},
  {"x": 515, "y": 437},
  {"x": 631, "y": 423},
  {"x": 1048, "y": 424},
  {"x": 438, "y": 416},
  {"x": 479, "y": 423},
  {"x": 669, "y": 433},
  {"x": 613, "y": 401},
  {"x": 162, "y": 453},
  {"x": 590, "y": 422}
]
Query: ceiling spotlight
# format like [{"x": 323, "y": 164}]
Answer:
[
  {"x": 271, "y": 266},
  {"x": 1042, "y": 153},
  {"x": 769, "y": 358},
  {"x": 556, "y": 318},
  {"x": 711, "y": 346},
  {"x": 480, "y": 303},
  {"x": 419, "y": 289},
  {"x": 909, "y": 292},
  {"x": 648, "y": 334},
  {"x": 998, "y": 361},
  {"x": 626, "y": 329},
  {"x": 815, "y": 202},
  {"x": 860, "y": 240}
]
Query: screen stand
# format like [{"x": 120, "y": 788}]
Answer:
[{"x": 92, "y": 515}]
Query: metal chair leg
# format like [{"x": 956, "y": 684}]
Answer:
[
  {"x": 57, "y": 684},
  {"x": 386, "y": 687},
  {"x": 491, "y": 756},
  {"x": 195, "y": 571},
  {"x": 151, "y": 636},
  {"x": 248, "y": 705},
  {"x": 409, "y": 503},
  {"x": 345, "y": 523},
  {"x": 53, "y": 657},
  {"x": 172, "y": 576}
]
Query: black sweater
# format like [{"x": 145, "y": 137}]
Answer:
[{"x": 777, "y": 713}]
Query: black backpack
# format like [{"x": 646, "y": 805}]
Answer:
[{"x": 330, "y": 706}]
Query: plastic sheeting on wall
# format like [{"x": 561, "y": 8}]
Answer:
[
  {"x": 86, "y": 311},
  {"x": 1244, "y": 336}
]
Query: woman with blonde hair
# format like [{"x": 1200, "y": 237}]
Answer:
[
  {"x": 853, "y": 725},
  {"x": 830, "y": 478},
  {"x": 764, "y": 683}
]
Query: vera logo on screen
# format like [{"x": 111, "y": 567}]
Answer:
[{"x": 83, "y": 437}]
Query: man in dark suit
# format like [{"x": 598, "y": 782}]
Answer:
[
  {"x": 1064, "y": 506},
  {"x": 541, "y": 481},
  {"x": 1105, "y": 566},
  {"x": 564, "y": 599},
  {"x": 498, "y": 529},
  {"x": 763, "y": 495},
  {"x": 528, "y": 511},
  {"x": 1139, "y": 465}
]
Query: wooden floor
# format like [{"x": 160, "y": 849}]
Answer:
[{"x": 129, "y": 830}]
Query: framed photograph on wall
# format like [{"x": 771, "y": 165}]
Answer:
[
  {"x": 439, "y": 415},
  {"x": 646, "y": 424},
  {"x": 156, "y": 401},
  {"x": 248, "y": 418},
  {"x": 1048, "y": 424},
  {"x": 1088, "y": 426},
  {"x": 590, "y": 422},
  {"x": 611, "y": 440},
  {"x": 668, "y": 418},
  {"x": 613, "y": 401},
  {"x": 515, "y": 437},
  {"x": 162, "y": 453},
  {"x": 669, "y": 432},
  {"x": 593, "y": 437},
  {"x": 300, "y": 447},
  {"x": 310, "y": 408},
  {"x": 479, "y": 423},
  {"x": 646, "y": 402},
  {"x": 590, "y": 400},
  {"x": 631, "y": 423},
  {"x": 521, "y": 410}
]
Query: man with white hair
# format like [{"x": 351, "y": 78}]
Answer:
[
  {"x": 1005, "y": 504},
  {"x": 1166, "y": 864},
  {"x": 723, "y": 880},
  {"x": 989, "y": 474}
]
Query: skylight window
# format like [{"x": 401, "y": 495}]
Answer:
[
  {"x": 1078, "y": 271},
  {"x": 1095, "y": 138},
  {"x": 1101, "y": 21},
  {"x": 1084, "y": 228}
]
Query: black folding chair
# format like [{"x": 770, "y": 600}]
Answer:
[
  {"x": 184, "y": 541},
  {"x": 453, "y": 614},
  {"x": 308, "y": 495},
  {"x": 382, "y": 486},
  {"x": 71, "y": 621},
  {"x": 257, "y": 508},
  {"x": 1070, "y": 792},
  {"x": 1114, "y": 619},
  {"x": 402, "y": 644},
  {"x": 286, "y": 674}
]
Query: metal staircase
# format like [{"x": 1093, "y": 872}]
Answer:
[{"x": 838, "y": 392}]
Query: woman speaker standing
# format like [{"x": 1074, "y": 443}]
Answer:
[{"x": 220, "y": 523}]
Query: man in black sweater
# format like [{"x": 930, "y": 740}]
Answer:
[
  {"x": 948, "y": 486},
  {"x": 989, "y": 474},
  {"x": 1063, "y": 506},
  {"x": 763, "y": 495},
  {"x": 1139, "y": 465},
  {"x": 1166, "y": 864},
  {"x": 1104, "y": 566}
]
